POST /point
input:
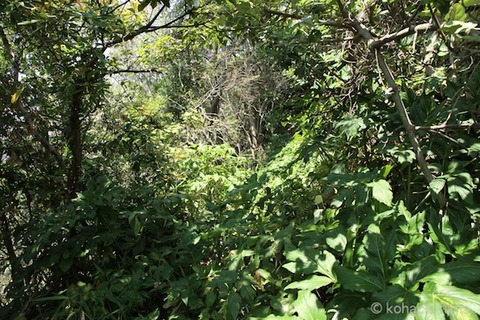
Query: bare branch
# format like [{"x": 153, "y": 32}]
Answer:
[
  {"x": 137, "y": 32},
  {"x": 170, "y": 23},
  {"x": 119, "y": 6}
]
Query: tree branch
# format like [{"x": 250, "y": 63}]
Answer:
[
  {"x": 33, "y": 130},
  {"x": 137, "y": 32},
  {"x": 169, "y": 24},
  {"x": 17, "y": 103},
  {"x": 444, "y": 126},
  {"x": 401, "y": 34},
  {"x": 395, "y": 94}
]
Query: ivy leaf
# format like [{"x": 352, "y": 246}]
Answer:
[
  {"x": 308, "y": 307},
  {"x": 381, "y": 191}
]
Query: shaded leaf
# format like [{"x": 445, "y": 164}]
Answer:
[{"x": 360, "y": 281}]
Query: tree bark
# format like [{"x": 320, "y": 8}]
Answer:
[
  {"x": 75, "y": 143},
  {"x": 8, "y": 242}
]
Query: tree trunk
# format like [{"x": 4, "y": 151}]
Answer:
[
  {"x": 75, "y": 144},
  {"x": 8, "y": 242}
]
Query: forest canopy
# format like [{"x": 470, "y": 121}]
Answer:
[{"x": 239, "y": 159}]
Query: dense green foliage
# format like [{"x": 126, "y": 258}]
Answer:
[{"x": 240, "y": 159}]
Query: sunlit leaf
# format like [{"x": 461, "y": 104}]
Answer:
[
  {"x": 308, "y": 307},
  {"x": 314, "y": 282},
  {"x": 381, "y": 191}
]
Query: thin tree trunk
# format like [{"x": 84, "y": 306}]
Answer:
[
  {"x": 8, "y": 242},
  {"x": 75, "y": 144}
]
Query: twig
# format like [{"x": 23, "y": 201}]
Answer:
[
  {"x": 444, "y": 126},
  {"x": 17, "y": 103}
]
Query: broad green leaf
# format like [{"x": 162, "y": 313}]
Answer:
[
  {"x": 474, "y": 149},
  {"x": 462, "y": 314},
  {"x": 460, "y": 185},
  {"x": 350, "y": 126},
  {"x": 456, "y": 298},
  {"x": 348, "y": 302},
  {"x": 470, "y": 3},
  {"x": 361, "y": 281},
  {"x": 314, "y": 282},
  {"x": 338, "y": 242},
  {"x": 210, "y": 298},
  {"x": 308, "y": 307},
  {"x": 453, "y": 301},
  {"x": 437, "y": 185},
  {"x": 309, "y": 260},
  {"x": 233, "y": 303},
  {"x": 411, "y": 274},
  {"x": 394, "y": 299},
  {"x": 429, "y": 307},
  {"x": 378, "y": 252},
  {"x": 462, "y": 271},
  {"x": 381, "y": 191},
  {"x": 403, "y": 156},
  {"x": 457, "y": 12}
]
